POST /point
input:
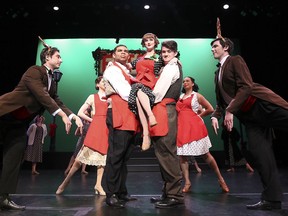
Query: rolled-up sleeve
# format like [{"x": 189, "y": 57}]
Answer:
[
  {"x": 168, "y": 76},
  {"x": 114, "y": 75}
]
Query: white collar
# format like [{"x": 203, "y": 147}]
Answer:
[{"x": 224, "y": 59}]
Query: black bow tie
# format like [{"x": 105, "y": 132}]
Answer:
[
  {"x": 50, "y": 72},
  {"x": 218, "y": 65}
]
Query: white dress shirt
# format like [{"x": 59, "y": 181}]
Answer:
[
  {"x": 168, "y": 76},
  {"x": 220, "y": 68},
  {"x": 50, "y": 77},
  {"x": 114, "y": 75}
]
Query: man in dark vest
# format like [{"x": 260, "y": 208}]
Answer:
[{"x": 167, "y": 91}]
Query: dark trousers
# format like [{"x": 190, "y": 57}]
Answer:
[
  {"x": 13, "y": 140},
  {"x": 259, "y": 121},
  {"x": 166, "y": 153},
  {"x": 119, "y": 151}
]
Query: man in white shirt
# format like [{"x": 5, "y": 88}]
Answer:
[
  {"x": 122, "y": 125},
  {"x": 167, "y": 91}
]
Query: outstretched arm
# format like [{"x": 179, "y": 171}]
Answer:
[{"x": 68, "y": 123}]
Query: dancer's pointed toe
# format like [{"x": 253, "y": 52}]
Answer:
[
  {"x": 59, "y": 191},
  {"x": 224, "y": 186}
]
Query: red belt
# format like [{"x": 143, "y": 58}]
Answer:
[
  {"x": 248, "y": 103},
  {"x": 21, "y": 113}
]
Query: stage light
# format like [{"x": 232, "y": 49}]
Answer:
[
  {"x": 226, "y": 6},
  {"x": 146, "y": 7}
]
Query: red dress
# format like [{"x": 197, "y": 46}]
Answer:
[
  {"x": 192, "y": 134},
  {"x": 145, "y": 72},
  {"x": 145, "y": 80},
  {"x": 97, "y": 134}
]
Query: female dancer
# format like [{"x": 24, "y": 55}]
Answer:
[
  {"x": 95, "y": 145},
  {"x": 192, "y": 136},
  {"x": 141, "y": 98}
]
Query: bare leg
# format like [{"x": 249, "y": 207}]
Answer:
[
  {"x": 209, "y": 159},
  {"x": 72, "y": 159},
  {"x": 185, "y": 172},
  {"x": 34, "y": 172},
  {"x": 249, "y": 168},
  {"x": 146, "y": 138},
  {"x": 197, "y": 167},
  {"x": 144, "y": 101},
  {"x": 193, "y": 160},
  {"x": 98, "y": 187},
  {"x": 83, "y": 171},
  {"x": 74, "y": 168}
]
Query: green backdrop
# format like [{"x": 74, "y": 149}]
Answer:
[{"x": 79, "y": 74}]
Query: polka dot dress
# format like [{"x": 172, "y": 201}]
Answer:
[
  {"x": 133, "y": 93},
  {"x": 145, "y": 65},
  {"x": 192, "y": 136}
]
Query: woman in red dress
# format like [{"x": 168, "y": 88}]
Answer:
[
  {"x": 192, "y": 135},
  {"x": 95, "y": 145},
  {"x": 141, "y": 98}
]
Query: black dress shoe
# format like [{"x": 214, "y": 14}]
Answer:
[
  {"x": 169, "y": 203},
  {"x": 156, "y": 199},
  {"x": 8, "y": 204},
  {"x": 265, "y": 205},
  {"x": 126, "y": 198},
  {"x": 113, "y": 201}
]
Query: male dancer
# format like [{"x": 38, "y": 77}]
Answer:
[
  {"x": 258, "y": 108},
  {"x": 35, "y": 93},
  {"x": 122, "y": 125}
]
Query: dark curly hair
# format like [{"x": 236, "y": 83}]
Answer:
[{"x": 195, "y": 87}]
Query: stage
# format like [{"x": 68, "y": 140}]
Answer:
[{"x": 37, "y": 192}]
